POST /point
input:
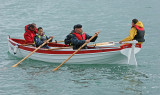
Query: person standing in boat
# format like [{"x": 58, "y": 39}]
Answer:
[
  {"x": 137, "y": 32},
  {"x": 79, "y": 37},
  {"x": 30, "y": 32},
  {"x": 40, "y": 38}
]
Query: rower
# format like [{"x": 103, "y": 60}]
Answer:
[
  {"x": 79, "y": 37},
  {"x": 40, "y": 38},
  {"x": 137, "y": 32}
]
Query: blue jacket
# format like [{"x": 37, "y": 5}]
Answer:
[
  {"x": 78, "y": 43},
  {"x": 40, "y": 40}
]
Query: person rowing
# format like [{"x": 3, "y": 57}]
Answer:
[
  {"x": 40, "y": 38},
  {"x": 79, "y": 37}
]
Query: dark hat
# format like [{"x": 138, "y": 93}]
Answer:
[
  {"x": 31, "y": 25},
  {"x": 135, "y": 21},
  {"x": 77, "y": 26}
]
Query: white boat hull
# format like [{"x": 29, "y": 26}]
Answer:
[
  {"x": 89, "y": 58},
  {"x": 92, "y": 58}
]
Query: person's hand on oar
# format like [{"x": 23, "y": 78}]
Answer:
[
  {"x": 76, "y": 51},
  {"x": 51, "y": 37},
  {"x": 87, "y": 41},
  {"x": 97, "y": 33}
]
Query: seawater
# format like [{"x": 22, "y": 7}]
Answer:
[{"x": 57, "y": 17}]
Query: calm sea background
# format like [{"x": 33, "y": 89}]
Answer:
[{"x": 57, "y": 17}]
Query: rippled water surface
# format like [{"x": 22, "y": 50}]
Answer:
[{"x": 57, "y": 17}]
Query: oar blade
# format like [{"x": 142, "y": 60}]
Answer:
[
  {"x": 14, "y": 65},
  {"x": 55, "y": 69}
]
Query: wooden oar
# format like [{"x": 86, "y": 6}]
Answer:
[
  {"x": 59, "y": 48},
  {"x": 126, "y": 42},
  {"x": 56, "y": 41},
  {"x": 32, "y": 53},
  {"x": 59, "y": 41},
  {"x": 110, "y": 43},
  {"x": 97, "y": 44},
  {"x": 103, "y": 44},
  {"x": 75, "y": 52}
]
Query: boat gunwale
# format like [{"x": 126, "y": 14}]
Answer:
[{"x": 83, "y": 51}]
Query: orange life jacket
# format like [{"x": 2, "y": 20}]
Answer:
[{"x": 79, "y": 36}]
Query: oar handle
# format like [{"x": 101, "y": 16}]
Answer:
[
  {"x": 31, "y": 53},
  {"x": 76, "y": 51}
]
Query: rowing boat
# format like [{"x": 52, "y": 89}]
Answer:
[{"x": 60, "y": 52}]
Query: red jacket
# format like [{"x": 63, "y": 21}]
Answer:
[{"x": 29, "y": 35}]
